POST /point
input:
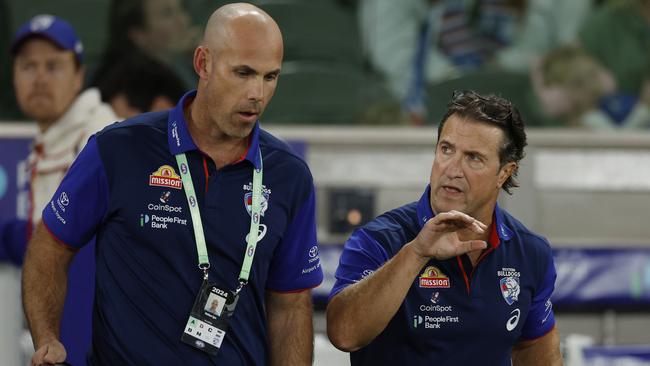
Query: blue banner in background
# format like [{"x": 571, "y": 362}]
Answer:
[
  {"x": 602, "y": 278},
  {"x": 13, "y": 151},
  {"x": 588, "y": 279},
  {"x": 616, "y": 356}
]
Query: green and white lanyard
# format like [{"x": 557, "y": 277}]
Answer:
[{"x": 256, "y": 209}]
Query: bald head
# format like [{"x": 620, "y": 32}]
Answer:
[
  {"x": 238, "y": 65},
  {"x": 241, "y": 23}
]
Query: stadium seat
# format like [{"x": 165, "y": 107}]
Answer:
[
  {"x": 316, "y": 30},
  {"x": 513, "y": 86},
  {"x": 328, "y": 93}
]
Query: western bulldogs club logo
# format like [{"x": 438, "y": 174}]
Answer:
[
  {"x": 510, "y": 289},
  {"x": 509, "y": 284},
  {"x": 248, "y": 198}
]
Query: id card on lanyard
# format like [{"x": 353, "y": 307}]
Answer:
[{"x": 215, "y": 304}]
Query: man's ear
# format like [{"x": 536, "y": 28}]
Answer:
[
  {"x": 202, "y": 61},
  {"x": 79, "y": 78},
  {"x": 506, "y": 172}
]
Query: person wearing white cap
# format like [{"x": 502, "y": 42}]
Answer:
[{"x": 48, "y": 77}]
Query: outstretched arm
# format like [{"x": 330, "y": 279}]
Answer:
[{"x": 44, "y": 281}]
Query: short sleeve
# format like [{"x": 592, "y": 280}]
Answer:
[
  {"x": 362, "y": 255},
  {"x": 80, "y": 203},
  {"x": 296, "y": 264},
  {"x": 540, "y": 318}
]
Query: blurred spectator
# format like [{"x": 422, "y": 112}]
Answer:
[
  {"x": 415, "y": 42},
  {"x": 618, "y": 36},
  {"x": 573, "y": 86},
  {"x": 138, "y": 84},
  {"x": 546, "y": 25},
  {"x": 48, "y": 75},
  {"x": 641, "y": 119},
  {"x": 160, "y": 29}
]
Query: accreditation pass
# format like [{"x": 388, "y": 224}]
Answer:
[
  {"x": 208, "y": 322},
  {"x": 204, "y": 334}
]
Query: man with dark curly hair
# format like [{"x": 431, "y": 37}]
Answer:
[{"x": 456, "y": 279}]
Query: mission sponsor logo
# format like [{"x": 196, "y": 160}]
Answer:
[
  {"x": 432, "y": 277},
  {"x": 166, "y": 176}
]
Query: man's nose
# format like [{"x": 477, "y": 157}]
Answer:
[
  {"x": 454, "y": 167},
  {"x": 40, "y": 75},
  {"x": 256, "y": 89}
]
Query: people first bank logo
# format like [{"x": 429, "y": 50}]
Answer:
[
  {"x": 166, "y": 176},
  {"x": 432, "y": 277}
]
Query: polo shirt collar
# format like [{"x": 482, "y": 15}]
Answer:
[
  {"x": 424, "y": 213},
  {"x": 180, "y": 140}
]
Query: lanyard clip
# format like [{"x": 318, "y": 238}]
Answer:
[
  {"x": 204, "y": 267},
  {"x": 241, "y": 285}
]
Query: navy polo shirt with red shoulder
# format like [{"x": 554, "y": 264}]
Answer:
[
  {"x": 454, "y": 314},
  {"x": 125, "y": 188}
]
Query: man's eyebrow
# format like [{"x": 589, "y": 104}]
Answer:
[
  {"x": 446, "y": 142},
  {"x": 475, "y": 152},
  {"x": 245, "y": 68}
]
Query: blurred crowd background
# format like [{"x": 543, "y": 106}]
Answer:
[{"x": 579, "y": 63}]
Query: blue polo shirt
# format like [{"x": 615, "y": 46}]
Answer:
[
  {"x": 454, "y": 314},
  {"x": 125, "y": 188}
]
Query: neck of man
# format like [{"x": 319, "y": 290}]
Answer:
[{"x": 221, "y": 148}]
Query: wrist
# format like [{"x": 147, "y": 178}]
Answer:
[
  {"x": 415, "y": 255},
  {"x": 45, "y": 339}
]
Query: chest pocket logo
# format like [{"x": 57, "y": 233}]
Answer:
[
  {"x": 510, "y": 289},
  {"x": 512, "y": 322}
]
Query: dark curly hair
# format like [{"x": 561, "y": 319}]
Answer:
[{"x": 496, "y": 111}]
